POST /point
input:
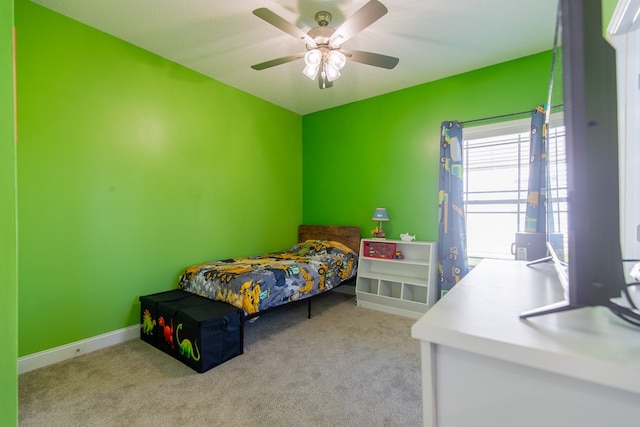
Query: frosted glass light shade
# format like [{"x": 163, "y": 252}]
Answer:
[
  {"x": 313, "y": 57},
  {"x": 336, "y": 59},
  {"x": 311, "y": 71},
  {"x": 331, "y": 72}
]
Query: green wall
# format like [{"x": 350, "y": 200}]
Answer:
[
  {"x": 608, "y": 7},
  {"x": 130, "y": 168},
  {"x": 8, "y": 252},
  {"x": 385, "y": 151}
]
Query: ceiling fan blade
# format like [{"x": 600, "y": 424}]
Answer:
[
  {"x": 365, "y": 16},
  {"x": 277, "y": 61},
  {"x": 283, "y": 25},
  {"x": 369, "y": 58}
]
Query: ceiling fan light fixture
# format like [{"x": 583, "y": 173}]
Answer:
[
  {"x": 330, "y": 62},
  {"x": 323, "y": 59}
]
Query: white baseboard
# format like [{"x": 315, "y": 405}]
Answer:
[{"x": 68, "y": 351}]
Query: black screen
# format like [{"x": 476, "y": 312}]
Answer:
[{"x": 593, "y": 274}]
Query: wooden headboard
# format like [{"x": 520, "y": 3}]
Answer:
[{"x": 349, "y": 235}]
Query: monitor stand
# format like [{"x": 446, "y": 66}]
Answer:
[
  {"x": 556, "y": 307},
  {"x": 540, "y": 260},
  {"x": 559, "y": 306}
]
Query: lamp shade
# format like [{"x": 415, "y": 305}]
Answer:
[{"x": 380, "y": 215}]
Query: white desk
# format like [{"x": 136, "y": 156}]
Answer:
[{"x": 483, "y": 366}]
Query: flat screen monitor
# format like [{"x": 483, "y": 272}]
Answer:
[{"x": 591, "y": 270}]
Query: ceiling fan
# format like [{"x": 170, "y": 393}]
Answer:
[{"x": 325, "y": 57}]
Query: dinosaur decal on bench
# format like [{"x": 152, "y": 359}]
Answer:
[
  {"x": 186, "y": 347},
  {"x": 167, "y": 331},
  {"x": 148, "y": 322}
]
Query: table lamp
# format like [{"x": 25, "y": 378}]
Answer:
[{"x": 381, "y": 216}]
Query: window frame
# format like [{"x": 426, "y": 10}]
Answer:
[{"x": 498, "y": 129}]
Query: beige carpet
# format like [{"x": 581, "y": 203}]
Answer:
[{"x": 346, "y": 366}]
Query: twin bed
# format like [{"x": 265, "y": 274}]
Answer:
[{"x": 324, "y": 258}]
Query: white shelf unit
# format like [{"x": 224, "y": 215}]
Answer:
[{"x": 406, "y": 287}]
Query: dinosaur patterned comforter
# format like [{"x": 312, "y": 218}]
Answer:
[{"x": 259, "y": 282}]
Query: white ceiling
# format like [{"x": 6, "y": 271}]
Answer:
[{"x": 222, "y": 39}]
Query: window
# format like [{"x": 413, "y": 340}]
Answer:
[{"x": 496, "y": 180}]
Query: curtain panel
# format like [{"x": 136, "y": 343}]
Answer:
[
  {"x": 535, "y": 219},
  {"x": 452, "y": 236}
]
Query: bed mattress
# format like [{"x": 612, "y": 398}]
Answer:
[{"x": 256, "y": 283}]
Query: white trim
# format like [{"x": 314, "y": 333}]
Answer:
[
  {"x": 69, "y": 351},
  {"x": 625, "y": 19},
  {"x": 389, "y": 309},
  {"x": 623, "y": 33}
]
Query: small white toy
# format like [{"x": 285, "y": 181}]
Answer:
[
  {"x": 635, "y": 272},
  {"x": 407, "y": 238}
]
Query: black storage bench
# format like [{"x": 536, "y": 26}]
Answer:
[{"x": 199, "y": 332}]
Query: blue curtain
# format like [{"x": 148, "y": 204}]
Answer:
[
  {"x": 452, "y": 235},
  {"x": 535, "y": 220}
]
